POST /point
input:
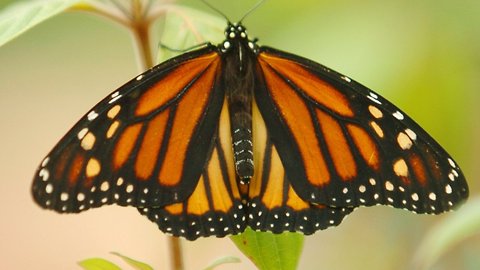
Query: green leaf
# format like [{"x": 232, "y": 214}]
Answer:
[
  {"x": 19, "y": 17},
  {"x": 270, "y": 251},
  {"x": 222, "y": 261},
  {"x": 134, "y": 263},
  {"x": 98, "y": 264},
  {"x": 186, "y": 27},
  {"x": 455, "y": 228}
]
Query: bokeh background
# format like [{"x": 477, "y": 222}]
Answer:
[{"x": 424, "y": 56}]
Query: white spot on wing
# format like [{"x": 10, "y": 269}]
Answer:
[
  {"x": 374, "y": 100},
  {"x": 398, "y": 115},
  {"x": 45, "y": 161},
  {"x": 347, "y": 79},
  {"x": 452, "y": 163},
  {"x": 114, "y": 98},
  {"x": 389, "y": 186},
  {"x": 119, "y": 181},
  {"x": 49, "y": 188},
  {"x": 80, "y": 197},
  {"x": 105, "y": 186},
  {"x": 64, "y": 196},
  {"x": 92, "y": 115},
  {"x": 411, "y": 134},
  {"x": 82, "y": 133},
  {"x": 44, "y": 174}
]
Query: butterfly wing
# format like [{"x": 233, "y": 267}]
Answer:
[
  {"x": 274, "y": 205},
  {"x": 144, "y": 145},
  {"x": 215, "y": 206},
  {"x": 343, "y": 145}
]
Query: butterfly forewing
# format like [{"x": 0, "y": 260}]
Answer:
[
  {"x": 346, "y": 146},
  {"x": 143, "y": 145}
]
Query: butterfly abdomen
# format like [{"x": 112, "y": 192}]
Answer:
[
  {"x": 241, "y": 128},
  {"x": 243, "y": 153}
]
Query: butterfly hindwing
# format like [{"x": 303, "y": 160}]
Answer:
[
  {"x": 343, "y": 145},
  {"x": 135, "y": 147},
  {"x": 273, "y": 203},
  {"x": 215, "y": 206}
]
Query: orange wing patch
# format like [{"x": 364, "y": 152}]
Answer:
[
  {"x": 167, "y": 89},
  {"x": 317, "y": 89},
  {"x": 149, "y": 150},
  {"x": 175, "y": 209},
  {"x": 198, "y": 203},
  {"x": 125, "y": 145},
  {"x": 63, "y": 162},
  {"x": 274, "y": 195},
  {"x": 338, "y": 146},
  {"x": 76, "y": 168},
  {"x": 295, "y": 202},
  {"x": 418, "y": 169},
  {"x": 293, "y": 108},
  {"x": 259, "y": 138},
  {"x": 432, "y": 164},
  {"x": 365, "y": 145},
  {"x": 225, "y": 144}
]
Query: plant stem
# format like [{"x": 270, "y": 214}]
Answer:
[
  {"x": 142, "y": 37},
  {"x": 176, "y": 253}
]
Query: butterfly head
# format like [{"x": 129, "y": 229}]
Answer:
[{"x": 236, "y": 33}]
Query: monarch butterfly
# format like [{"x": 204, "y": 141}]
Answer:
[{"x": 237, "y": 135}]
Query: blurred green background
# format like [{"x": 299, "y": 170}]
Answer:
[{"x": 424, "y": 56}]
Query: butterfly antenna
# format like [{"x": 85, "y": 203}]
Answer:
[
  {"x": 215, "y": 9},
  {"x": 259, "y": 3}
]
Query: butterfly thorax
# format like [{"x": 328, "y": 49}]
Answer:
[{"x": 238, "y": 57}]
